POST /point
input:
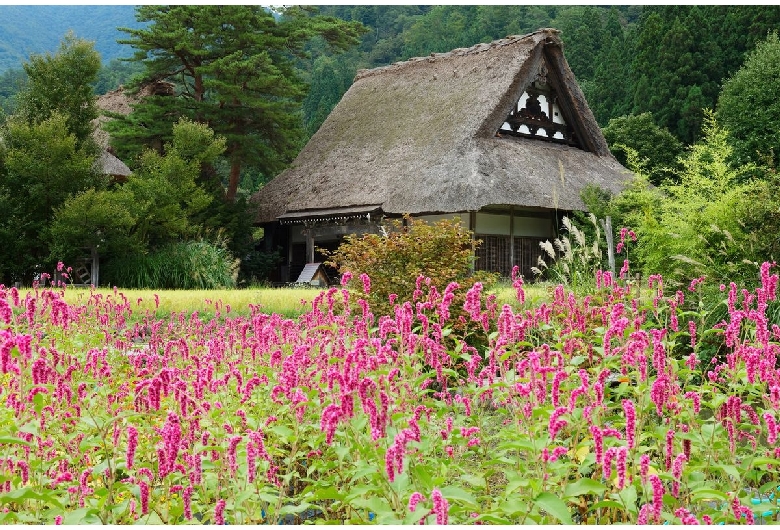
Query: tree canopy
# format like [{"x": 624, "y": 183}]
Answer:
[
  {"x": 749, "y": 105},
  {"x": 233, "y": 68},
  {"x": 62, "y": 83}
]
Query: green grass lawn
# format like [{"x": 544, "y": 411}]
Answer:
[{"x": 285, "y": 301}]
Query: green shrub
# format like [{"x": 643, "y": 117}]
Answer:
[
  {"x": 408, "y": 249},
  {"x": 198, "y": 264}
]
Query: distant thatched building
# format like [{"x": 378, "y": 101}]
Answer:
[
  {"x": 118, "y": 102},
  {"x": 121, "y": 102},
  {"x": 498, "y": 134}
]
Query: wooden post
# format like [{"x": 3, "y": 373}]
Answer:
[
  {"x": 511, "y": 239},
  {"x": 309, "y": 246},
  {"x": 95, "y": 267},
  {"x": 607, "y": 226},
  {"x": 472, "y": 229}
]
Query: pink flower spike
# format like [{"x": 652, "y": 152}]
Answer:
[
  {"x": 440, "y": 507},
  {"x": 219, "y": 512},
  {"x": 414, "y": 500},
  {"x": 366, "y": 283}
]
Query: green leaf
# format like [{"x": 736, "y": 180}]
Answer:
[
  {"x": 628, "y": 497},
  {"x": 454, "y": 493},
  {"x": 29, "y": 493},
  {"x": 554, "y": 506},
  {"x": 294, "y": 509},
  {"x": 577, "y": 360},
  {"x": 513, "y": 506},
  {"x": 10, "y": 440},
  {"x": 708, "y": 494},
  {"x": 331, "y": 492},
  {"x": 80, "y": 516},
  {"x": 584, "y": 486},
  {"x": 730, "y": 470},
  {"x": 422, "y": 474},
  {"x": 283, "y": 432},
  {"x": 268, "y": 497},
  {"x": 492, "y": 518}
]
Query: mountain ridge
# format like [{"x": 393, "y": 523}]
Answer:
[{"x": 38, "y": 29}]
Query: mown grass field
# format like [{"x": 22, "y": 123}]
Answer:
[{"x": 289, "y": 302}]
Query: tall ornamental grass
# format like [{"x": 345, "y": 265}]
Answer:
[
  {"x": 197, "y": 264},
  {"x": 579, "y": 409}
]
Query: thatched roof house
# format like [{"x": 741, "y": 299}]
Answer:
[
  {"x": 499, "y": 128},
  {"x": 115, "y": 101},
  {"x": 112, "y": 166},
  {"x": 120, "y": 101}
]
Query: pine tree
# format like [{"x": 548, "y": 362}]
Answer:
[{"x": 233, "y": 68}]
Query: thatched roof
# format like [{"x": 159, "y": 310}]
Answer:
[
  {"x": 120, "y": 101},
  {"x": 420, "y": 137},
  {"x": 111, "y": 165}
]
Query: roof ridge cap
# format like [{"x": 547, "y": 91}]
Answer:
[{"x": 550, "y": 35}]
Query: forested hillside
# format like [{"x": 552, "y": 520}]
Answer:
[{"x": 27, "y": 29}]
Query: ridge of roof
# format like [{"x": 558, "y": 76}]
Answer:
[{"x": 551, "y": 35}]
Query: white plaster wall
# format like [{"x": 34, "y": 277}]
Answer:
[
  {"x": 464, "y": 218},
  {"x": 498, "y": 225},
  {"x": 492, "y": 224},
  {"x": 533, "y": 227}
]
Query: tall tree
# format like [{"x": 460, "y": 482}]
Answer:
[
  {"x": 41, "y": 165},
  {"x": 656, "y": 148},
  {"x": 749, "y": 106},
  {"x": 47, "y": 153},
  {"x": 62, "y": 83},
  {"x": 233, "y": 68}
]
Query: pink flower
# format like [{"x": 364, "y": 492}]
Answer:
[
  {"x": 232, "y": 446},
  {"x": 620, "y": 464},
  {"x": 414, "y": 500},
  {"x": 329, "y": 421},
  {"x": 366, "y": 283},
  {"x": 624, "y": 269},
  {"x": 58, "y": 520},
  {"x": 606, "y": 465},
  {"x": 440, "y": 507},
  {"x": 24, "y": 469},
  {"x": 630, "y": 412},
  {"x": 473, "y": 303},
  {"x": 132, "y": 442},
  {"x": 598, "y": 443},
  {"x": 695, "y": 282},
  {"x": 555, "y": 424},
  {"x": 658, "y": 497},
  {"x": 677, "y": 472},
  {"x": 686, "y": 517},
  {"x": 144, "y": 497},
  {"x": 219, "y": 512},
  {"x": 186, "y": 497},
  {"x": 345, "y": 278},
  {"x": 642, "y": 517},
  {"x": 771, "y": 428},
  {"x": 692, "y": 332}
]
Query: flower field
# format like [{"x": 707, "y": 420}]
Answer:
[{"x": 603, "y": 408}]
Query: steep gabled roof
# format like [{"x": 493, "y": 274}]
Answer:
[
  {"x": 420, "y": 136},
  {"x": 111, "y": 165}
]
